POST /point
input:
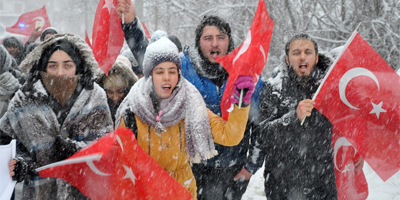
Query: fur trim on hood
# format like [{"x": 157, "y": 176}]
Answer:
[
  {"x": 123, "y": 67},
  {"x": 86, "y": 53},
  {"x": 84, "y": 49}
]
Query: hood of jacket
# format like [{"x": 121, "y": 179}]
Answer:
[{"x": 30, "y": 65}]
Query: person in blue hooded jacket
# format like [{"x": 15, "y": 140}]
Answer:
[{"x": 227, "y": 175}]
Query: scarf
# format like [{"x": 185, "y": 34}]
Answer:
[
  {"x": 185, "y": 103},
  {"x": 213, "y": 71},
  {"x": 60, "y": 87}
]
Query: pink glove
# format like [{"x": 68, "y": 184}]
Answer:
[{"x": 246, "y": 83}]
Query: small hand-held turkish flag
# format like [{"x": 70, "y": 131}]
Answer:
[
  {"x": 350, "y": 179},
  {"x": 27, "y": 22},
  {"x": 107, "y": 37},
  {"x": 360, "y": 96},
  {"x": 116, "y": 167},
  {"x": 250, "y": 57}
]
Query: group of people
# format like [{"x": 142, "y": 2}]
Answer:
[{"x": 170, "y": 98}]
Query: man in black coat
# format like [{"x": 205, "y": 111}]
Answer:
[{"x": 298, "y": 158}]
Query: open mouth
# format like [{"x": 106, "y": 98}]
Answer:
[
  {"x": 303, "y": 67},
  {"x": 166, "y": 87},
  {"x": 214, "y": 53}
]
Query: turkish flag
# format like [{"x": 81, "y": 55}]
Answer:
[
  {"x": 107, "y": 37},
  {"x": 27, "y": 22},
  {"x": 146, "y": 31},
  {"x": 250, "y": 57},
  {"x": 350, "y": 182},
  {"x": 116, "y": 167},
  {"x": 360, "y": 96}
]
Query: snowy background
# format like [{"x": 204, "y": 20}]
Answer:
[
  {"x": 329, "y": 22},
  {"x": 378, "y": 190}
]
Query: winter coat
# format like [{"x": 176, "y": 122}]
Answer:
[
  {"x": 8, "y": 82},
  {"x": 298, "y": 159},
  {"x": 31, "y": 119},
  {"x": 171, "y": 148},
  {"x": 212, "y": 95}
]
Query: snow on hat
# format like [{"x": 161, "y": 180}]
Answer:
[
  {"x": 157, "y": 35},
  {"x": 162, "y": 50}
]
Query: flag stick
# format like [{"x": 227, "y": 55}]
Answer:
[
  {"x": 331, "y": 67},
  {"x": 241, "y": 98},
  {"x": 123, "y": 18}
]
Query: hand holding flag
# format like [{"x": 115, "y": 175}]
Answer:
[{"x": 250, "y": 57}]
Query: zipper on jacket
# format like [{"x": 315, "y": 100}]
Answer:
[{"x": 180, "y": 136}]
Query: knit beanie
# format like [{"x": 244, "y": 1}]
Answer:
[
  {"x": 48, "y": 30},
  {"x": 157, "y": 35},
  {"x": 162, "y": 50}
]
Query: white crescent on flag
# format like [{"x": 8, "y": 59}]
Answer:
[
  {"x": 41, "y": 19},
  {"x": 341, "y": 142},
  {"x": 347, "y": 77}
]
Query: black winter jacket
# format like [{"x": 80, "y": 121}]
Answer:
[{"x": 298, "y": 159}]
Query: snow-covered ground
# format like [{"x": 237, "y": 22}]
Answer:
[{"x": 378, "y": 190}]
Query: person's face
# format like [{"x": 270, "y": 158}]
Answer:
[
  {"x": 116, "y": 94},
  {"x": 165, "y": 78},
  {"x": 213, "y": 43},
  {"x": 302, "y": 57},
  {"x": 13, "y": 51},
  {"x": 61, "y": 64}
]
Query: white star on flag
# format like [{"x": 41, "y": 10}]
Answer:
[
  {"x": 129, "y": 174},
  {"x": 377, "y": 109},
  {"x": 109, "y": 5}
]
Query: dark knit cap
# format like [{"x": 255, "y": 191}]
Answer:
[
  {"x": 49, "y": 30},
  {"x": 162, "y": 50}
]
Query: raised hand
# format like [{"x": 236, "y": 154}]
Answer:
[{"x": 126, "y": 7}]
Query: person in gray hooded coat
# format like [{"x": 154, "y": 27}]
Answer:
[
  {"x": 9, "y": 83},
  {"x": 59, "y": 110}
]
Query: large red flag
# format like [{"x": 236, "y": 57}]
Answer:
[
  {"x": 27, "y": 22},
  {"x": 250, "y": 57},
  {"x": 107, "y": 37},
  {"x": 360, "y": 96},
  {"x": 350, "y": 179},
  {"x": 116, "y": 167}
]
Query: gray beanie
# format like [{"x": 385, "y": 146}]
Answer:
[{"x": 162, "y": 50}]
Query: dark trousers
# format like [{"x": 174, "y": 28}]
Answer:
[{"x": 218, "y": 184}]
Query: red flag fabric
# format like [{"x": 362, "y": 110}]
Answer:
[
  {"x": 350, "y": 183},
  {"x": 116, "y": 167},
  {"x": 360, "y": 96},
  {"x": 27, "y": 22},
  {"x": 107, "y": 37},
  {"x": 250, "y": 57},
  {"x": 146, "y": 31}
]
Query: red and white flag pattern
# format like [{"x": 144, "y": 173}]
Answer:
[
  {"x": 250, "y": 57},
  {"x": 116, "y": 167},
  {"x": 27, "y": 22},
  {"x": 360, "y": 96}
]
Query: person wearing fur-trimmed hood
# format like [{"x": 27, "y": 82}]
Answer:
[
  {"x": 118, "y": 82},
  {"x": 170, "y": 118},
  {"x": 58, "y": 110}
]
